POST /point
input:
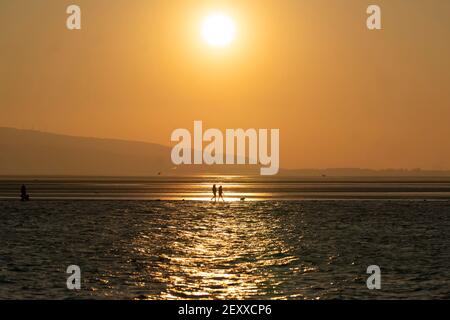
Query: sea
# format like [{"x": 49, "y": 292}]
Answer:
[{"x": 164, "y": 238}]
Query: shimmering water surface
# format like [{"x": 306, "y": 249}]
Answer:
[{"x": 277, "y": 249}]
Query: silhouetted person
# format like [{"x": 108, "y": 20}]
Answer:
[
  {"x": 221, "y": 193},
  {"x": 23, "y": 193},
  {"x": 214, "y": 190}
]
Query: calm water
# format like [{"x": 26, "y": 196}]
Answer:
[{"x": 277, "y": 249}]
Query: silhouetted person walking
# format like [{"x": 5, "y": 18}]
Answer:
[
  {"x": 214, "y": 190},
  {"x": 221, "y": 193},
  {"x": 23, "y": 193}
]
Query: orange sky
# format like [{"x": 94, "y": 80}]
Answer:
[{"x": 341, "y": 95}]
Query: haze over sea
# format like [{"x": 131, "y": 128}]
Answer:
[{"x": 294, "y": 238}]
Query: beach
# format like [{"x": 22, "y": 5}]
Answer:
[
  {"x": 252, "y": 188},
  {"x": 266, "y": 248}
]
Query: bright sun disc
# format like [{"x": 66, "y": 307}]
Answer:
[{"x": 218, "y": 30}]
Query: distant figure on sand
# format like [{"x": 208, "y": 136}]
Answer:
[
  {"x": 214, "y": 190},
  {"x": 221, "y": 193},
  {"x": 23, "y": 193}
]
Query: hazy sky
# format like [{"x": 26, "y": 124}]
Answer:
[{"x": 342, "y": 96}]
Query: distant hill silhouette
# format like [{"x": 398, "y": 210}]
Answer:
[
  {"x": 29, "y": 152},
  {"x": 358, "y": 172}
]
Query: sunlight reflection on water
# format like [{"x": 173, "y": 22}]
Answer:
[
  {"x": 221, "y": 254},
  {"x": 233, "y": 250}
]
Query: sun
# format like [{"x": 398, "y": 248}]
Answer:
[{"x": 218, "y": 30}]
